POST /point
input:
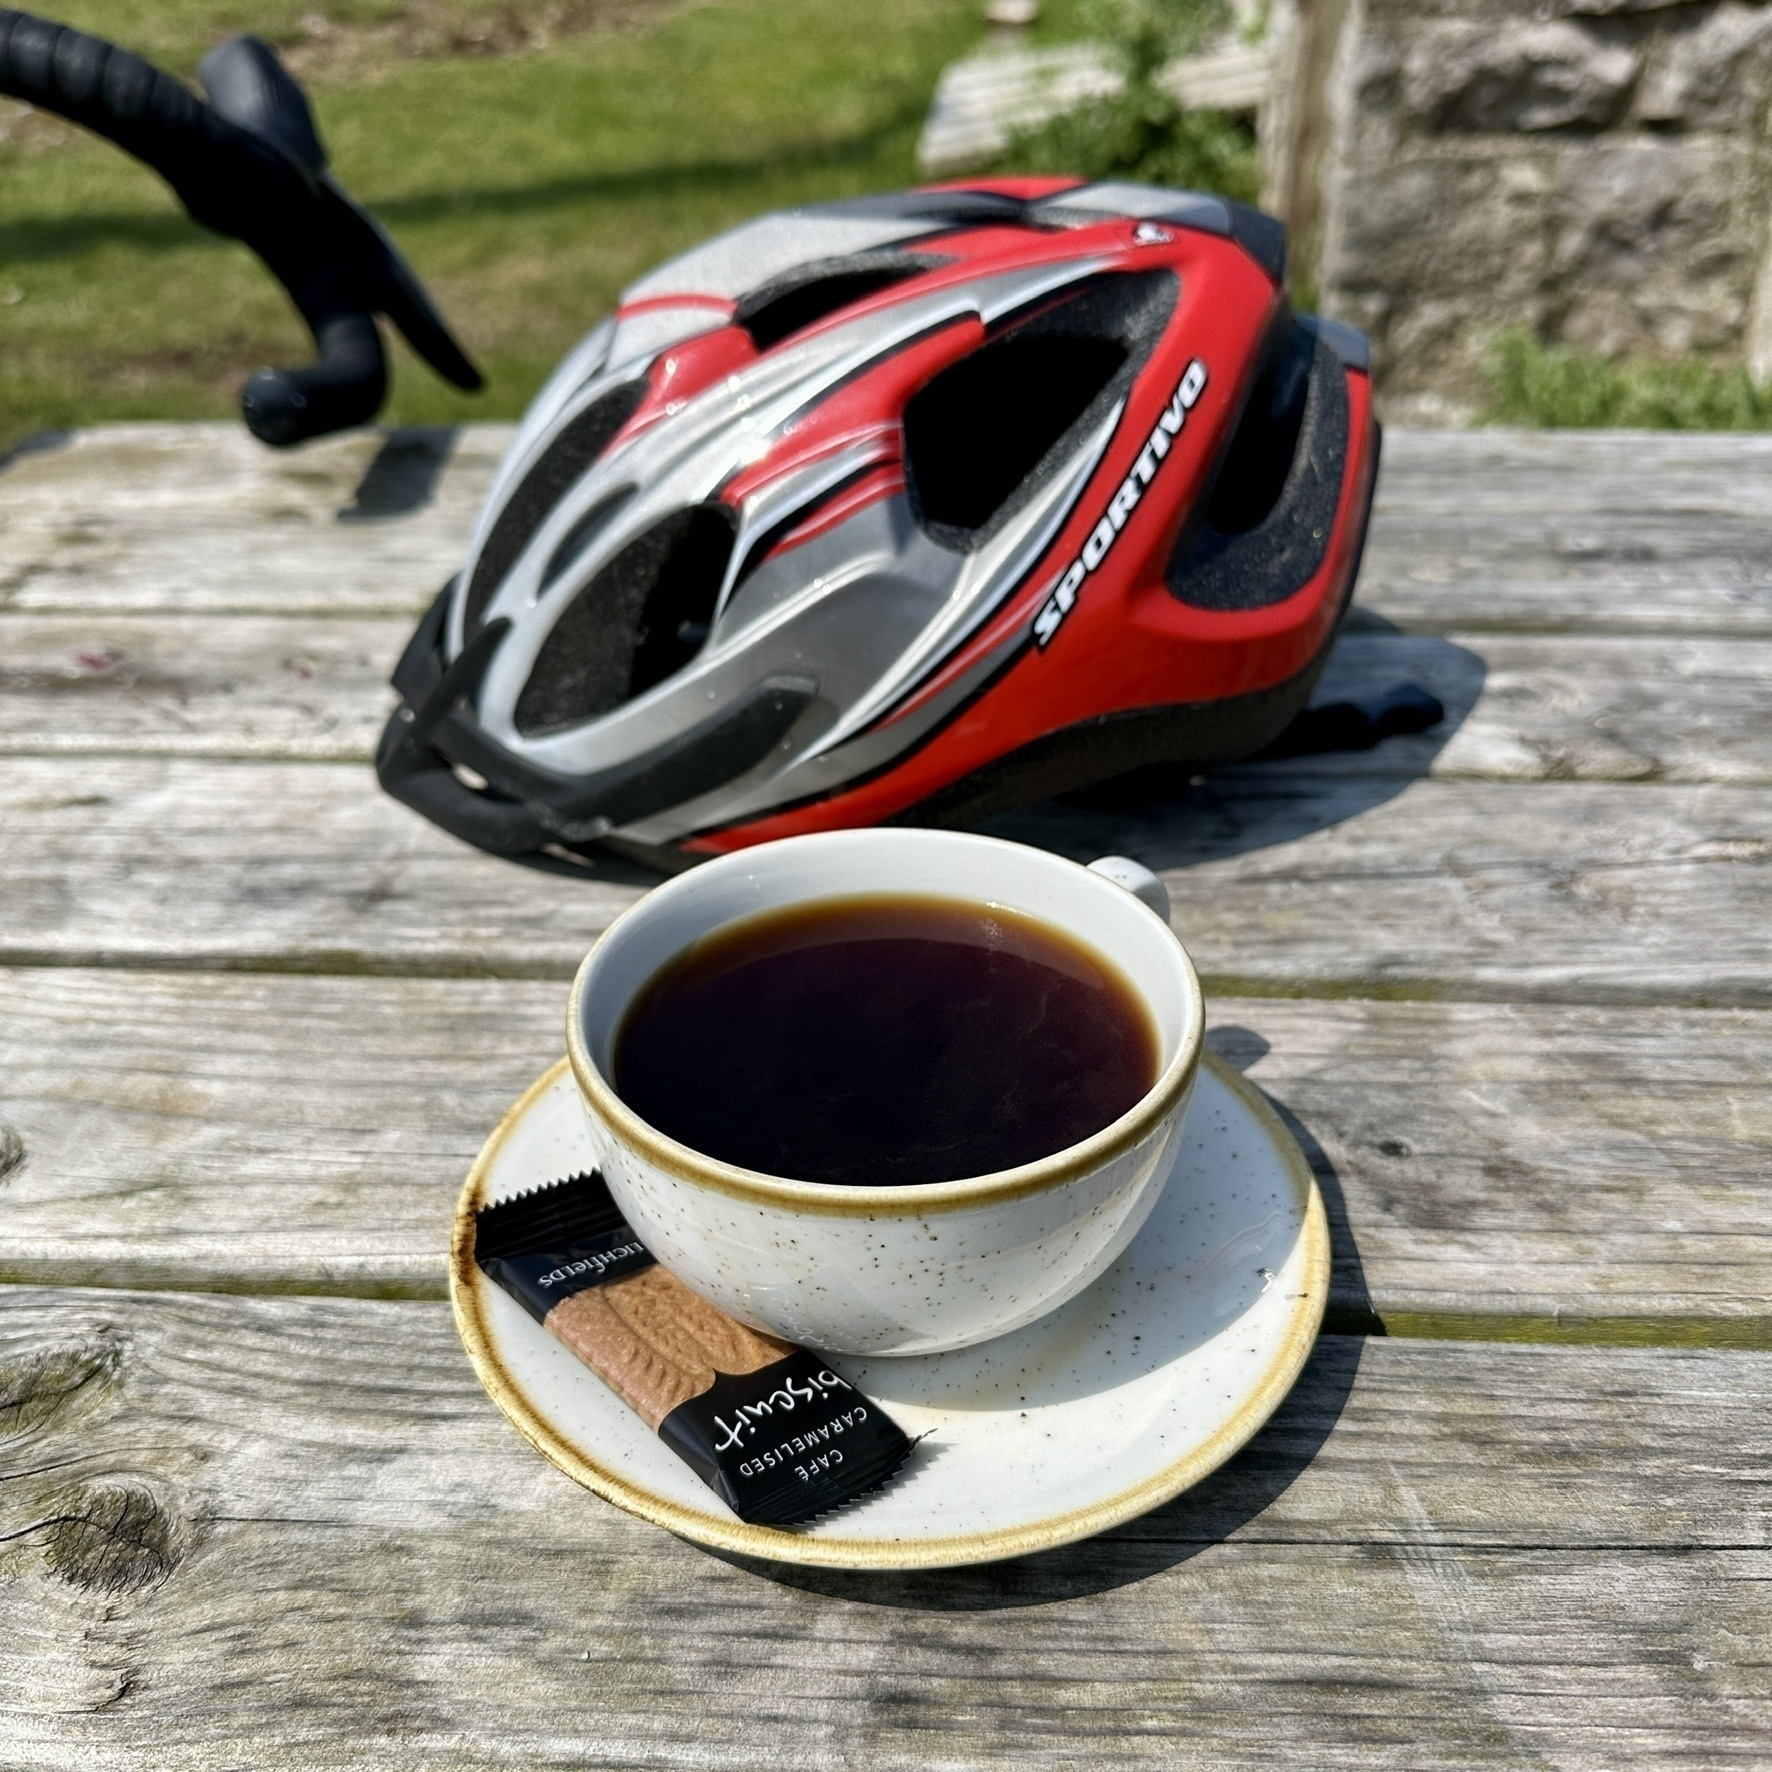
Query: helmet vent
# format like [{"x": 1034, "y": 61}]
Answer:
[
  {"x": 811, "y": 292},
  {"x": 982, "y": 430},
  {"x": 1271, "y": 513},
  {"x": 1265, "y": 442},
  {"x": 564, "y": 460},
  {"x": 642, "y": 617},
  {"x": 580, "y": 536}
]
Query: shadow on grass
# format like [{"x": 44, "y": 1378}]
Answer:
[{"x": 39, "y": 241}]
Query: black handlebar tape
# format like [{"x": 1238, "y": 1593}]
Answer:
[
  {"x": 345, "y": 387},
  {"x": 249, "y": 87},
  {"x": 271, "y": 194},
  {"x": 229, "y": 180},
  {"x": 244, "y": 81}
]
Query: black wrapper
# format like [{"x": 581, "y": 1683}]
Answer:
[
  {"x": 545, "y": 1246},
  {"x": 787, "y": 1442},
  {"x": 780, "y": 1443}
]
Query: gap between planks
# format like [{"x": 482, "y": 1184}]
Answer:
[
  {"x": 335, "y": 1548},
  {"x": 1504, "y": 531},
  {"x": 1740, "y": 1334},
  {"x": 1370, "y": 619},
  {"x": 352, "y": 963},
  {"x": 1561, "y": 891},
  {"x": 1691, "y": 1334},
  {"x": 277, "y": 689},
  {"x": 1488, "y": 1170}
]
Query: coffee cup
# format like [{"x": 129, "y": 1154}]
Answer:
[{"x": 888, "y": 1270}]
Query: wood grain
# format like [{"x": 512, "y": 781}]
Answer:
[
  {"x": 1285, "y": 882},
  {"x": 1558, "y": 707},
  {"x": 283, "y": 864},
  {"x": 258, "y": 1133},
  {"x": 202, "y": 518},
  {"x": 292, "y": 1532},
  {"x": 1596, "y": 532},
  {"x": 1566, "y": 891},
  {"x": 1573, "y": 531},
  {"x": 308, "y": 688},
  {"x": 299, "y": 1524},
  {"x": 1530, "y": 708}
]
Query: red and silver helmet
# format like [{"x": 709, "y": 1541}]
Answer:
[{"x": 902, "y": 508}]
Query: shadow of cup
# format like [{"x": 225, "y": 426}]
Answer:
[{"x": 1223, "y": 1505}]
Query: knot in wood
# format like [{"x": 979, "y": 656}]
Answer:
[
  {"x": 115, "y": 1538},
  {"x": 37, "y": 1385}
]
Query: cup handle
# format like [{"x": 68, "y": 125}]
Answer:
[{"x": 1137, "y": 879}]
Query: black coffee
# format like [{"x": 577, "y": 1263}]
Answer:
[{"x": 884, "y": 1040}]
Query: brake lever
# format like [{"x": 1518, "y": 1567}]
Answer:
[
  {"x": 250, "y": 164},
  {"x": 248, "y": 86}
]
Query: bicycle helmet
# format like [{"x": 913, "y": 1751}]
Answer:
[{"x": 906, "y": 508}]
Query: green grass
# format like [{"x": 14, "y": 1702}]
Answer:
[
  {"x": 529, "y": 187},
  {"x": 526, "y": 188},
  {"x": 176, "y": 33},
  {"x": 1136, "y": 138},
  {"x": 1535, "y": 384},
  {"x": 1143, "y": 133}
]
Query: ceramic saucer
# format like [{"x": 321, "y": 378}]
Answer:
[{"x": 1117, "y": 1401}]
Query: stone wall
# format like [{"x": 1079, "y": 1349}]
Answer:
[{"x": 1599, "y": 171}]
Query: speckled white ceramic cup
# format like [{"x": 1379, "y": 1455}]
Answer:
[{"x": 903, "y": 1270}]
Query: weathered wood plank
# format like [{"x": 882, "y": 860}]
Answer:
[
  {"x": 309, "y": 688},
  {"x": 1542, "y": 1162},
  {"x": 299, "y": 1523},
  {"x": 253, "y": 1132},
  {"x": 1577, "y": 891},
  {"x": 1560, "y": 707},
  {"x": 120, "y": 860},
  {"x": 200, "y": 517},
  {"x": 1531, "y": 708},
  {"x": 1457, "y": 889},
  {"x": 1573, "y": 531},
  {"x": 259, "y": 1133},
  {"x": 1602, "y": 531}
]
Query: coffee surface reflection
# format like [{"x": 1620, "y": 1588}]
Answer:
[{"x": 885, "y": 1040}]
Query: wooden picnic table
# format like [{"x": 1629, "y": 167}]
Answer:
[{"x": 1510, "y": 981}]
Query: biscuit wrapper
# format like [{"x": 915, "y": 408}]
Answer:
[{"x": 769, "y": 1427}]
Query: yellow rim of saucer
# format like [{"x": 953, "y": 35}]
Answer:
[{"x": 725, "y": 1532}]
